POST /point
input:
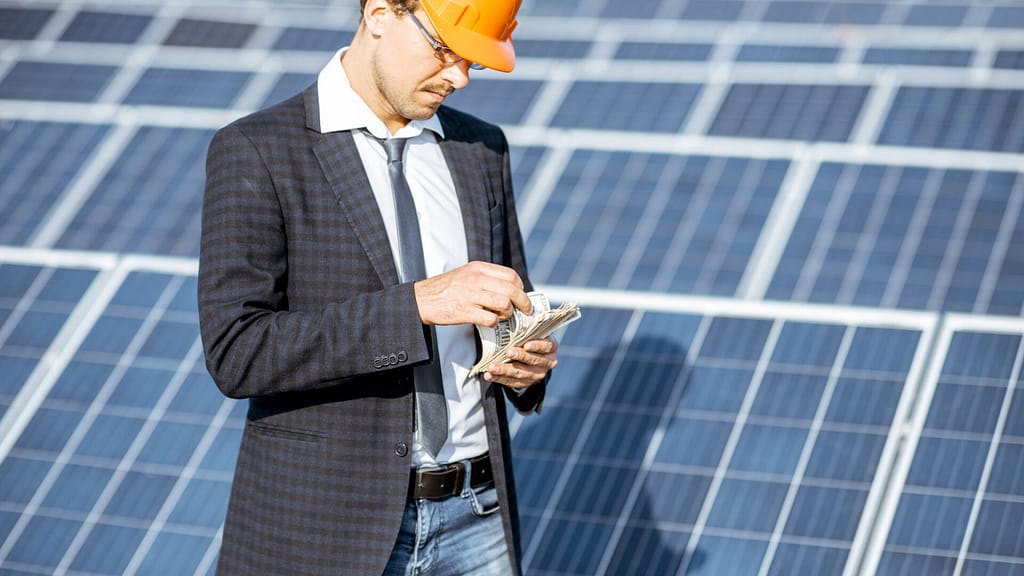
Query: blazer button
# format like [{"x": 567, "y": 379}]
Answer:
[{"x": 401, "y": 449}]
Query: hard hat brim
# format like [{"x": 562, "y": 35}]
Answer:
[{"x": 477, "y": 48}]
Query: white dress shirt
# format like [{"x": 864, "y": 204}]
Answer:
[{"x": 443, "y": 236}]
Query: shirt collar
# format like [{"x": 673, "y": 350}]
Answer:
[{"x": 342, "y": 109}]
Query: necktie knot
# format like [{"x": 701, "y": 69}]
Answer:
[{"x": 395, "y": 148}]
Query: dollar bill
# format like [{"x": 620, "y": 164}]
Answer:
[{"x": 541, "y": 322}]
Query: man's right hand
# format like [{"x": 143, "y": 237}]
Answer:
[{"x": 476, "y": 293}]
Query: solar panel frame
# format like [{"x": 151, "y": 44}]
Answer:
[{"x": 947, "y": 552}]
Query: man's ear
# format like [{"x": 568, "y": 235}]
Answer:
[{"x": 374, "y": 14}]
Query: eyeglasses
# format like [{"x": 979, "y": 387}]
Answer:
[{"x": 442, "y": 52}]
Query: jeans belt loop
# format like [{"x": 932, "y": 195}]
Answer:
[{"x": 460, "y": 478}]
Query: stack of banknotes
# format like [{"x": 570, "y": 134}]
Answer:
[{"x": 541, "y": 322}]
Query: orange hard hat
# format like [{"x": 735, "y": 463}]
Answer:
[{"x": 478, "y": 30}]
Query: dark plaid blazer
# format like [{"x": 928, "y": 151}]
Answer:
[{"x": 298, "y": 294}]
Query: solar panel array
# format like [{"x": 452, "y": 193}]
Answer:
[{"x": 796, "y": 228}]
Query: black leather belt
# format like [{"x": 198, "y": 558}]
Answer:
[{"x": 448, "y": 480}]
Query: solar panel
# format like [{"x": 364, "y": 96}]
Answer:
[
  {"x": 646, "y": 107},
  {"x": 31, "y": 80},
  {"x": 150, "y": 198},
  {"x": 209, "y": 33},
  {"x": 917, "y": 57},
  {"x": 866, "y": 13},
  {"x": 112, "y": 465},
  {"x": 653, "y": 222},
  {"x": 724, "y": 10},
  {"x": 961, "y": 487},
  {"x": 778, "y": 53},
  {"x": 637, "y": 9},
  {"x": 567, "y": 49},
  {"x": 288, "y": 85},
  {"x": 312, "y": 39},
  {"x": 498, "y": 100},
  {"x": 1009, "y": 59},
  {"x": 1007, "y": 15},
  {"x": 904, "y": 236},
  {"x": 35, "y": 302},
  {"x": 796, "y": 11},
  {"x": 38, "y": 161},
  {"x": 796, "y": 228},
  {"x": 22, "y": 23},
  {"x": 963, "y": 118},
  {"x": 684, "y": 446},
  {"x": 936, "y": 15},
  {"x": 525, "y": 164},
  {"x": 663, "y": 51},
  {"x": 802, "y": 112},
  {"x": 197, "y": 88},
  {"x": 106, "y": 27}
]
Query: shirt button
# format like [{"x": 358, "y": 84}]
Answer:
[{"x": 401, "y": 449}]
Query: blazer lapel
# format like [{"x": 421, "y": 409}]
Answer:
[
  {"x": 342, "y": 167},
  {"x": 472, "y": 186}
]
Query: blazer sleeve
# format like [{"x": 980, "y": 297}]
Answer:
[{"x": 255, "y": 344}]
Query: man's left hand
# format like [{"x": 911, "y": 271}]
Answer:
[{"x": 527, "y": 365}]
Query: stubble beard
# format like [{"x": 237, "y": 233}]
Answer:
[{"x": 405, "y": 104}]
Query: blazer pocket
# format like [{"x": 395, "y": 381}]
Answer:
[{"x": 285, "y": 432}]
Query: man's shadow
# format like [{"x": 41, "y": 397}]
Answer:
[{"x": 653, "y": 540}]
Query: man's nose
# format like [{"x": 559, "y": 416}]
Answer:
[{"x": 457, "y": 74}]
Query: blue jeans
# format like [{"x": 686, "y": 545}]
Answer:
[{"x": 459, "y": 535}]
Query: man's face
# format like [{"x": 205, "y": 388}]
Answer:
[{"x": 411, "y": 80}]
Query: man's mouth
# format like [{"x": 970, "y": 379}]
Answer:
[{"x": 441, "y": 91}]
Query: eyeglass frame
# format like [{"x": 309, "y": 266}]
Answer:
[{"x": 442, "y": 52}]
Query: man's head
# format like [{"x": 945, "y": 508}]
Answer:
[
  {"x": 477, "y": 30},
  {"x": 408, "y": 55}
]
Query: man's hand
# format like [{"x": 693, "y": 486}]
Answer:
[
  {"x": 475, "y": 293},
  {"x": 529, "y": 364}
]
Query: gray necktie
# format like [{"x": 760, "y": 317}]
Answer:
[{"x": 431, "y": 407}]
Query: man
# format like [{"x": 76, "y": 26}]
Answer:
[{"x": 312, "y": 308}]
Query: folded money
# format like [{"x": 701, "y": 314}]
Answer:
[{"x": 541, "y": 322}]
